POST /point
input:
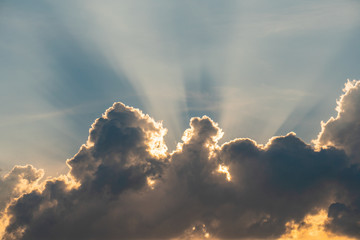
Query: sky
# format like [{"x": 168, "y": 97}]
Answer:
[{"x": 256, "y": 69}]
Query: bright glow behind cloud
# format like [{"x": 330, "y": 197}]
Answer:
[
  {"x": 284, "y": 190},
  {"x": 250, "y": 66}
]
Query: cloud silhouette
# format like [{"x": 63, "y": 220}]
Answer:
[{"x": 123, "y": 184}]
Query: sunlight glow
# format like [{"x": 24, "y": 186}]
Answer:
[
  {"x": 158, "y": 148},
  {"x": 197, "y": 232},
  {"x": 225, "y": 170},
  {"x": 349, "y": 86},
  {"x": 151, "y": 183},
  {"x": 4, "y": 222},
  {"x": 312, "y": 228}
]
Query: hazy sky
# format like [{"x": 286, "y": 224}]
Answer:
[{"x": 259, "y": 68}]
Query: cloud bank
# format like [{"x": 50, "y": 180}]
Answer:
[{"x": 124, "y": 184}]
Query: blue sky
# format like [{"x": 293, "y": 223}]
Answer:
[{"x": 258, "y": 68}]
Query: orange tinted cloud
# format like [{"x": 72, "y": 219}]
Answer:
[{"x": 311, "y": 228}]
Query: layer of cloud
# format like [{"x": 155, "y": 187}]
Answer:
[{"x": 123, "y": 184}]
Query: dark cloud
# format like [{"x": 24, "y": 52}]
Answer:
[
  {"x": 343, "y": 132},
  {"x": 123, "y": 184}
]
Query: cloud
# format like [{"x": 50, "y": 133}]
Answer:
[
  {"x": 344, "y": 130},
  {"x": 19, "y": 180},
  {"x": 123, "y": 184}
]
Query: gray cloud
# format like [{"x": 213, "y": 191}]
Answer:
[
  {"x": 123, "y": 184},
  {"x": 344, "y": 130}
]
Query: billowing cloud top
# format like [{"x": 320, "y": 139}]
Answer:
[
  {"x": 123, "y": 184},
  {"x": 344, "y": 130}
]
